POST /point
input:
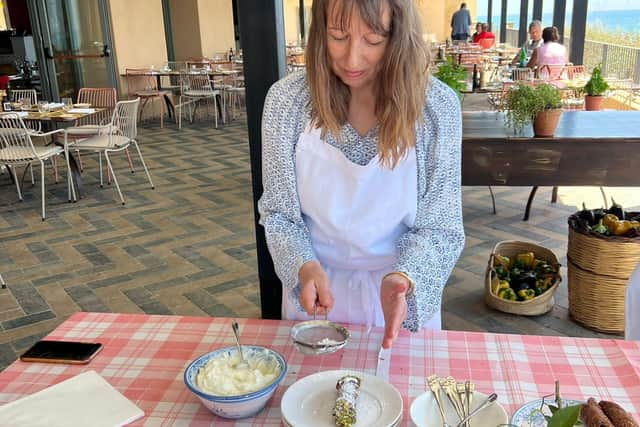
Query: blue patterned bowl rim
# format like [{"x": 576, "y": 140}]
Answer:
[{"x": 195, "y": 366}]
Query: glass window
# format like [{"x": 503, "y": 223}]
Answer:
[{"x": 495, "y": 18}]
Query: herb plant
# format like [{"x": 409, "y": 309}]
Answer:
[
  {"x": 452, "y": 75},
  {"x": 596, "y": 86},
  {"x": 523, "y": 103}
]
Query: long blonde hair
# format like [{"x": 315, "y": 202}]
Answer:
[{"x": 401, "y": 84}]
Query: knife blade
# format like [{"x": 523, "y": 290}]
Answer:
[{"x": 384, "y": 359}]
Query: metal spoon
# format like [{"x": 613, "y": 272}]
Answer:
[
  {"x": 434, "y": 384},
  {"x": 490, "y": 399},
  {"x": 236, "y": 333}
]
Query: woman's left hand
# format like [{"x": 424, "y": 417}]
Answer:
[{"x": 393, "y": 292}]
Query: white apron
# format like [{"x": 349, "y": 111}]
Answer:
[{"x": 355, "y": 215}]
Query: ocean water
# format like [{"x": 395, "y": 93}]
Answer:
[{"x": 627, "y": 21}]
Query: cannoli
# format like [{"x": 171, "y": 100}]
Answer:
[
  {"x": 591, "y": 415},
  {"x": 617, "y": 415},
  {"x": 344, "y": 410}
]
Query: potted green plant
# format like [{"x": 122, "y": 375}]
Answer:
[
  {"x": 539, "y": 104},
  {"x": 452, "y": 75},
  {"x": 595, "y": 89}
]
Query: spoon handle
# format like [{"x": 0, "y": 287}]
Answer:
[
  {"x": 236, "y": 333},
  {"x": 492, "y": 398}
]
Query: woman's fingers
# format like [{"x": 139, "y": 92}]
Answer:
[
  {"x": 314, "y": 288},
  {"x": 394, "y": 306}
]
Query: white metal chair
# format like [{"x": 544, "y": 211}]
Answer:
[
  {"x": 122, "y": 133},
  {"x": 196, "y": 87},
  {"x": 525, "y": 74},
  {"x": 104, "y": 98},
  {"x": 17, "y": 149}
]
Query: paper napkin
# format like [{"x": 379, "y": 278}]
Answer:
[{"x": 84, "y": 400}]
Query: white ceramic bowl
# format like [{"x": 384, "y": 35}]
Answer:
[{"x": 241, "y": 406}]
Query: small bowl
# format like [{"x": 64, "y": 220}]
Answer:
[{"x": 240, "y": 406}]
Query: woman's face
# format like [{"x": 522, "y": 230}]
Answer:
[{"x": 355, "y": 52}]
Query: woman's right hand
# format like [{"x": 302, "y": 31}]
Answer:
[{"x": 314, "y": 286}]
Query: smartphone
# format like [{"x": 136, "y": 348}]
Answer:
[{"x": 61, "y": 352}]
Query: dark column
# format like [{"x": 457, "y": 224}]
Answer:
[
  {"x": 578, "y": 30},
  {"x": 489, "y": 12},
  {"x": 168, "y": 32},
  {"x": 503, "y": 21},
  {"x": 522, "y": 30},
  {"x": 537, "y": 10},
  {"x": 559, "y": 12},
  {"x": 302, "y": 34},
  {"x": 262, "y": 36}
]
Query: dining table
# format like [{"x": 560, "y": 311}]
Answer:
[
  {"x": 144, "y": 358},
  {"x": 589, "y": 148}
]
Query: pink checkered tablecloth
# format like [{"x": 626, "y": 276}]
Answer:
[{"x": 144, "y": 358}]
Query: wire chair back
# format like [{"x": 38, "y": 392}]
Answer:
[
  {"x": 575, "y": 72},
  {"x": 15, "y": 142},
  {"x": 197, "y": 85},
  {"x": 550, "y": 72},
  {"x": 141, "y": 81},
  {"x": 103, "y": 97},
  {"x": 124, "y": 121},
  {"x": 525, "y": 74},
  {"x": 29, "y": 94}
]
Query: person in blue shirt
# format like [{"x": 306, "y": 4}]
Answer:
[{"x": 460, "y": 23}]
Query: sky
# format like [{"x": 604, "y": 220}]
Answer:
[{"x": 594, "y": 5}]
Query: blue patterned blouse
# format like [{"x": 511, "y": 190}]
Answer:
[{"x": 428, "y": 252}]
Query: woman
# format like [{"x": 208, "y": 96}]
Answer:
[
  {"x": 476, "y": 36},
  {"x": 551, "y": 52},
  {"x": 361, "y": 171}
]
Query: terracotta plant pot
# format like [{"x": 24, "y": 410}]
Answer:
[
  {"x": 593, "y": 103},
  {"x": 546, "y": 123}
]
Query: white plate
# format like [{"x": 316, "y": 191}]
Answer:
[
  {"x": 424, "y": 412},
  {"x": 528, "y": 416},
  {"x": 309, "y": 401}
]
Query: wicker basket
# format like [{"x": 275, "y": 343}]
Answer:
[
  {"x": 534, "y": 307},
  {"x": 598, "y": 271}
]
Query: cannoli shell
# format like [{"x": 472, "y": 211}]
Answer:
[
  {"x": 617, "y": 415},
  {"x": 592, "y": 415}
]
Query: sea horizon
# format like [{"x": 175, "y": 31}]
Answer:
[{"x": 627, "y": 21}]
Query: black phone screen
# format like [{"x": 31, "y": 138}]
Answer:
[{"x": 63, "y": 351}]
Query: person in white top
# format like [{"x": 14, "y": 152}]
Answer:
[
  {"x": 361, "y": 172},
  {"x": 632, "y": 307},
  {"x": 550, "y": 53}
]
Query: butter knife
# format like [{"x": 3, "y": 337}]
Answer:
[{"x": 384, "y": 359}]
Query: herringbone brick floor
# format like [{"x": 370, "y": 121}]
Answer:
[{"x": 188, "y": 246}]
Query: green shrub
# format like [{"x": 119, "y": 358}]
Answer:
[{"x": 596, "y": 86}]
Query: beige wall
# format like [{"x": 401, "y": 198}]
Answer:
[
  {"x": 185, "y": 28},
  {"x": 291, "y": 21},
  {"x": 436, "y": 16},
  {"x": 138, "y": 34},
  {"x": 216, "y": 26}
]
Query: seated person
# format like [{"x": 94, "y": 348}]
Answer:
[
  {"x": 534, "y": 42},
  {"x": 486, "y": 38},
  {"x": 474, "y": 37},
  {"x": 550, "y": 53}
]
